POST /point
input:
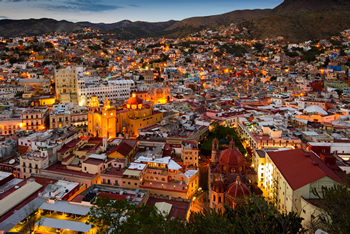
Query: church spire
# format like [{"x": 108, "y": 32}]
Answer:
[
  {"x": 107, "y": 103},
  {"x": 94, "y": 104}
]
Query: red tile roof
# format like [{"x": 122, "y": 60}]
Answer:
[
  {"x": 116, "y": 196},
  {"x": 124, "y": 148},
  {"x": 93, "y": 161},
  {"x": 300, "y": 170}
]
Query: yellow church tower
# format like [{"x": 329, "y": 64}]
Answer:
[
  {"x": 108, "y": 120},
  {"x": 94, "y": 116},
  {"x": 101, "y": 124}
]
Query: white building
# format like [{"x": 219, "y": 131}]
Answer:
[
  {"x": 113, "y": 89},
  {"x": 290, "y": 177}
]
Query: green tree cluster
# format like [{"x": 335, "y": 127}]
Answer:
[
  {"x": 252, "y": 215},
  {"x": 335, "y": 202}
]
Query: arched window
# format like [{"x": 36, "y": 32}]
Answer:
[
  {"x": 219, "y": 199},
  {"x": 214, "y": 198}
]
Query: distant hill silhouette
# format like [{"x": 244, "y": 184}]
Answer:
[
  {"x": 296, "y": 20},
  {"x": 300, "y": 20},
  {"x": 30, "y": 27}
]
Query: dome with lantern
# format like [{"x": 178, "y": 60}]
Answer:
[
  {"x": 231, "y": 160},
  {"x": 219, "y": 186},
  {"x": 238, "y": 189},
  {"x": 134, "y": 102}
]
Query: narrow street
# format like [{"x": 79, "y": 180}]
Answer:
[{"x": 203, "y": 173}]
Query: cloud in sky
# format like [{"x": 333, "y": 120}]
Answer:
[
  {"x": 75, "y": 5},
  {"x": 19, "y": 0},
  {"x": 3, "y": 17},
  {"x": 81, "y": 5}
]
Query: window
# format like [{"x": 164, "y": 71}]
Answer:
[{"x": 128, "y": 182}]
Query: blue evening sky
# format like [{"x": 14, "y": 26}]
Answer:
[{"x": 109, "y": 11}]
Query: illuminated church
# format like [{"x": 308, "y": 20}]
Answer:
[
  {"x": 229, "y": 177},
  {"x": 109, "y": 121}
]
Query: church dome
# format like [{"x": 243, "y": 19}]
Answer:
[
  {"x": 238, "y": 189},
  {"x": 231, "y": 157},
  {"x": 219, "y": 186},
  {"x": 134, "y": 102}
]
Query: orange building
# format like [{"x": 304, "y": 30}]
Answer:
[{"x": 126, "y": 120}]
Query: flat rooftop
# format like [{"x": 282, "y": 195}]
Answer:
[{"x": 62, "y": 170}]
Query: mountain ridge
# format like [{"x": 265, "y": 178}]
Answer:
[{"x": 296, "y": 20}]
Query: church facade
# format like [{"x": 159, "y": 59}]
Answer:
[
  {"x": 109, "y": 121},
  {"x": 229, "y": 179}
]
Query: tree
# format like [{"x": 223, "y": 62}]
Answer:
[
  {"x": 33, "y": 219},
  {"x": 251, "y": 215},
  {"x": 335, "y": 201},
  {"x": 340, "y": 92},
  {"x": 19, "y": 94},
  {"x": 192, "y": 86},
  {"x": 122, "y": 216}
]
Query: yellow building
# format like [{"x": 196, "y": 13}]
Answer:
[
  {"x": 129, "y": 120},
  {"x": 66, "y": 83}
]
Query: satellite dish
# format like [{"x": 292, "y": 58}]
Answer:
[{"x": 12, "y": 161}]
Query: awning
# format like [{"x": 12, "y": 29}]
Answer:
[
  {"x": 132, "y": 173},
  {"x": 18, "y": 196},
  {"x": 66, "y": 207},
  {"x": 64, "y": 224}
]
